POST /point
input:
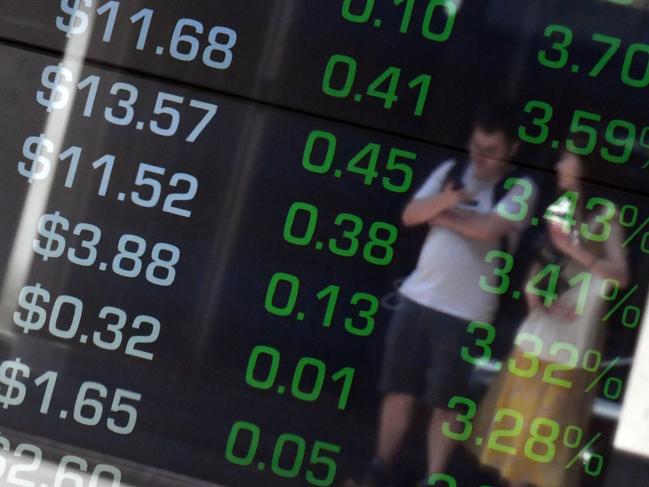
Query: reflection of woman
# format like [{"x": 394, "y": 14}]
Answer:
[{"x": 541, "y": 389}]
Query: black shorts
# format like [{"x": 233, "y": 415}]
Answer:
[{"x": 422, "y": 355}]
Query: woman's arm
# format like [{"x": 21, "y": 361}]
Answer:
[
  {"x": 556, "y": 309},
  {"x": 613, "y": 265},
  {"x": 533, "y": 300}
]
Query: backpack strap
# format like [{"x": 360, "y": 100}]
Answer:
[
  {"x": 499, "y": 193},
  {"x": 456, "y": 173},
  {"x": 460, "y": 165},
  {"x": 499, "y": 189}
]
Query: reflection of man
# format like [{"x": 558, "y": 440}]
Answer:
[{"x": 422, "y": 357}]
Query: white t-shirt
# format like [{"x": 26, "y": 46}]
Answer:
[{"x": 447, "y": 276}]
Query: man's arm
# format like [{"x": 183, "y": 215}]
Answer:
[
  {"x": 488, "y": 227},
  {"x": 494, "y": 225},
  {"x": 422, "y": 210}
]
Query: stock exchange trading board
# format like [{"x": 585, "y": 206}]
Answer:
[{"x": 324, "y": 243}]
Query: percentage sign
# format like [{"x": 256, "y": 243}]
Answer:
[
  {"x": 613, "y": 385},
  {"x": 629, "y": 219},
  {"x": 592, "y": 462},
  {"x": 610, "y": 292}
]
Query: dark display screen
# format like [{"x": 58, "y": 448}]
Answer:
[{"x": 357, "y": 243}]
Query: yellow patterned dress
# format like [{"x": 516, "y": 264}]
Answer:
[{"x": 534, "y": 418}]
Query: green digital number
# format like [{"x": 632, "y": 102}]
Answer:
[
  {"x": 320, "y": 373},
  {"x": 424, "y": 81},
  {"x": 388, "y": 94},
  {"x": 318, "y": 457},
  {"x": 407, "y": 14},
  {"x": 332, "y": 293},
  {"x": 628, "y": 62},
  {"x": 502, "y": 273},
  {"x": 450, "y": 11},
  {"x": 320, "y": 150},
  {"x": 546, "y": 441},
  {"x": 383, "y": 244},
  {"x": 561, "y": 366},
  {"x": 583, "y": 279},
  {"x": 626, "y": 142},
  {"x": 533, "y": 367},
  {"x": 483, "y": 343},
  {"x": 348, "y": 375},
  {"x": 299, "y": 450},
  {"x": 540, "y": 121},
  {"x": 602, "y": 221},
  {"x": 613, "y": 44},
  {"x": 307, "y": 158},
  {"x": 357, "y": 18},
  {"x": 294, "y": 286},
  {"x": 369, "y": 172},
  {"x": 288, "y": 454},
  {"x": 401, "y": 167},
  {"x": 366, "y": 314},
  {"x": 350, "y": 65},
  {"x": 253, "y": 444},
  {"x": 350, "y": 235},
  {"x": 578, "y": 126},
  {"x": 549, "y": 294},
  {"x": 513, "y": 432},
  {"x": 560, "y": 46},
  {"x": 312, "y": 216},
  {"x": 441, "y": 477},
  {"x": 563, "y": 209},
  {"x": 269, "y": 381},
  {"x": 371, "y": 302},
  {"x": 462, "y": 418},
  {"x": 519, "y": 199}
]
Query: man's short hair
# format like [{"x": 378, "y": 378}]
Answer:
[{"x": 499, "y": 117}]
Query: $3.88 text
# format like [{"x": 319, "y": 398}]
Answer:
[{"x": 51, "y": 245}]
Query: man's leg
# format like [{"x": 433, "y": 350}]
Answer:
[
  {"x": 404, "y": 363},
  {"x": 402, "y": 374},
  {"x": 440, "y": 447},
  {"x": 394, "y": 421}
]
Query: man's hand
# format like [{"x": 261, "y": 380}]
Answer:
[
  {"x": 533, "y": 301},
  {"x": 447, "y": 216},
  {"x": 453, "y": 196},
  {"x": 563, "y": 312},
  {"x": 561, "y": 238},
  {"x": 426, "y": 209}
]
